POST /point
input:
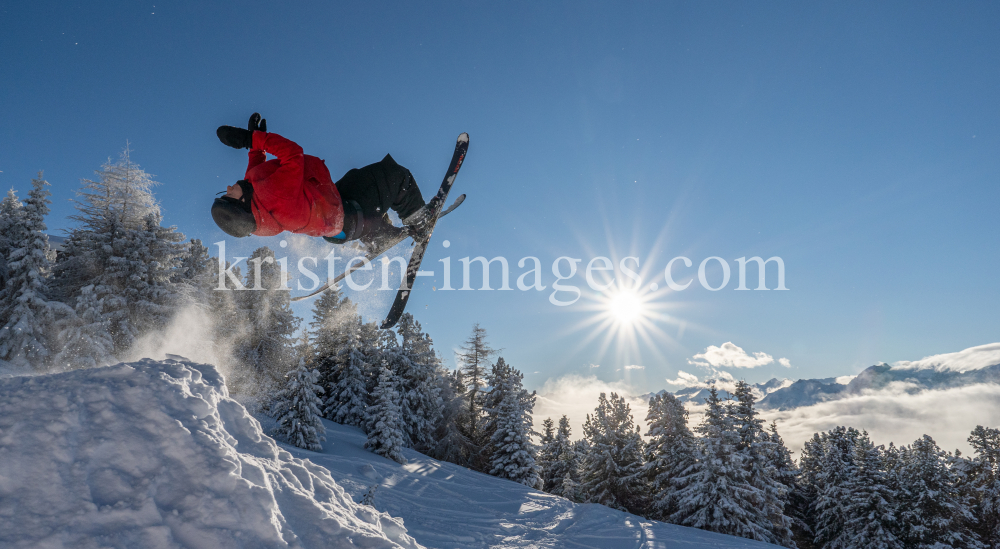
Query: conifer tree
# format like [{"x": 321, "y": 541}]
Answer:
[
  {"x": 385, "y": 436},
  {"x": 264, "y": 352},
  {"x": 195, "y": 274},
  {"x": 474, "y": 358},
  {"x": 716, "y": 495},
  {"x": 150, "y": 292},
  {"x": 28, "y": 314},
  {"x": 450, "y": 442},
  {"x": 757, "y": 453},
  {"x": 417, "y": 365},
  {"x": 509, "y": 423},
  {"x": 612, "y": 468},
  {"x": 84, "y": 341},
  {"x": 10, "y": 219},
  {"x": 547, "y": 456},
  {"x": 297, "y": 408},
  {"x": 120, "y": 250},
  {"x": 564, "y": 470},
  {"x": 834, "y": 469},
  {"x": 932, "y": 513},
  {"x": 984, "y": 478},
  {"x": 328, "y": 316},
  {"x": 869, "y": 510},
  {"x": 669, "y": 455},
  {"x": 350, "y": 400}
]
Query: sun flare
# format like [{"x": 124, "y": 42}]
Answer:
[{"x": 626, "y": 307}]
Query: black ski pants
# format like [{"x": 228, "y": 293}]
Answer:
[{"x": 381, "y": 186}]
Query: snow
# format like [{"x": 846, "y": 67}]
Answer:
[
  {"x": 154, "y": 454},
  {"x": 445, "y": 506}
]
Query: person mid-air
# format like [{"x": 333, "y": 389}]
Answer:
[{"x": 294, "y": 192}]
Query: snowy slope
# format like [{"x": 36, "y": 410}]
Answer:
[
  {"x": 447, "y": 506},
  {"x": 155, "y": 455}
]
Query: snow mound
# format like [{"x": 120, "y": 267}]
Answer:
[{"x": 155, "y": 454}]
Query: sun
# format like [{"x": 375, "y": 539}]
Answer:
[{"x": 626, "y": 307}]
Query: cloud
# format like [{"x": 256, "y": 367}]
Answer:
[
  {"x": 685, "y": 379},
  {"x": 785, "y": 362},
  {"x": 973, "y": 358},
  {"x": 634, "y": 367},
  {"x": 844, "y": 380},
  {"x": 729, "y": 356},
  {"x": 897, "y": 414},
  {"x": 576, "y": 396},
  {"x": 595, "y": 365}
]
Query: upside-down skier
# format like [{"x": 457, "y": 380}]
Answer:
[{"x": 294, "y": 192}]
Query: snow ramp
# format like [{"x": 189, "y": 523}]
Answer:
[{"x": 155, "y": 454}]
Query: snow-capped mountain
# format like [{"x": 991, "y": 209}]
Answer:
[{"x": 971, "y": 366}]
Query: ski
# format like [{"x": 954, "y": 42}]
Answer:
[
  {"x": 371, "y": 255},
  {"x": 421, "y": 241}
]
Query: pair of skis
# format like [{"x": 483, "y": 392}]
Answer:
[{"x": 421, "y": 240}]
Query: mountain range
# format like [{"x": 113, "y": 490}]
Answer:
[{"x": 971, "y": 366}]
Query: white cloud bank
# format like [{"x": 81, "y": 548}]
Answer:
[
  {"x": 973, "y": 358},
  {"x": 576, "y": 396},
  {"x": 730, "y": 355},
  {"x": 893, "y": 415}
]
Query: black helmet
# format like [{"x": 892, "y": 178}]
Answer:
[{"x": 234, "y": 216}]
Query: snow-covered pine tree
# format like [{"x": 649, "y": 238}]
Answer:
[
  {"x": 931, "y": 510},
  {"x": 489, "y": 399},
  {"x": 28, "y": 315},
  {"x": 297, "y": 409},
  {"x": 669, "y": 455},
  {"x": 565, "y": 467},
  {"x": 351, "y": 398},
  {"x": 984, "y": 478},
  {"x": 547, "y": 456},
  {"x": 757, "y": 454},
  {"x": 196, "y": 275},
  {"x": 509, "y": 422},
  {"x": 835, "y": 468},
  {"x": 612, "y": 468},
  {"x": 870, "y": 508},
  {"x": 10, "y": 211},
  {"x": 229, "y": 320},
  {"x": 264, "y": 352},
  {"x": 474, "y": 358},
  {"x": 151, "y": 295},
  {"x": 716, "y": 495},
  {"x": 107, "y": 250},
  {"x": 418, "y": 367},
  {"x": 327, "y": 338},
  {"x": 450, "y": 444},
  {"x": 385, "y": 435},
  {"x": 84, "y": 341}
]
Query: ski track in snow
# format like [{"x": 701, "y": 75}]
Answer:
[{"x": 445, "y": 506}]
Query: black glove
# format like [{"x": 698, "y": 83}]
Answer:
[
  {"x": 237, "y": 138},
  {"x": 257, "y": 124}
]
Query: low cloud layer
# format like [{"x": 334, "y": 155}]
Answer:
[
  {"x": 730, "y": 355},
  {"x": 893, "y": 415},
  {"x": 973, "y": 358},
  {"x": 576, "y": 396},
  {"x": 889, "y": 415}
]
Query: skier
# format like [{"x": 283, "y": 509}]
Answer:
[{"x": 294, "y": 192}]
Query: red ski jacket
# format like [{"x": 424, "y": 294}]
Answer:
[{"x": 293, "y": 192}]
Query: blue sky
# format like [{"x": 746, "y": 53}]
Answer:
[{"x": 857, "y": 141}]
